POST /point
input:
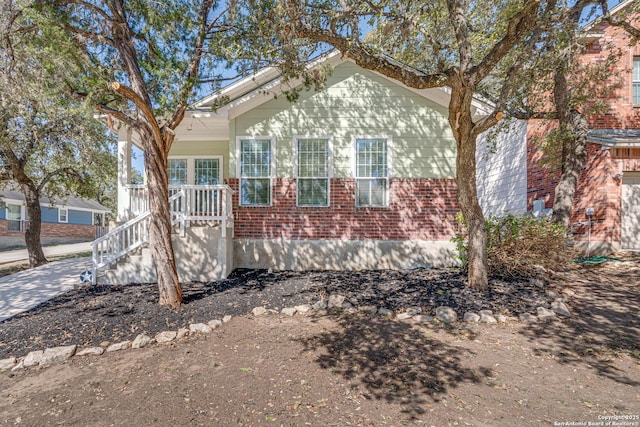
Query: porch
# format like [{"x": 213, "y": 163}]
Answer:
[{"x": 202, "y": 220}]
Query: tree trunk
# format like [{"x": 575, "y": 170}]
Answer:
[
  {"x": 468, "y": 199},
  {"x": 465, "y": 135},
  {"x": 160, "y": 225},
  {"x": 32, "y": 233},
  {"x": 574, "y": 128}
]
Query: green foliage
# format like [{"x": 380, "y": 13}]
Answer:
[
  {"x": 48, "y": 135},
  {"x": 516, "y": 243}
]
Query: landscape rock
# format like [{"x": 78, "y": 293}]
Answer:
[
  {"x": 446, "y": 314},
  {"x": 536, "y": 281},
  {"x": 529, "y": 318},
  {"x": 501, "y": 318},
  {"x": 55, "y": 355},
  {"x": 422, "y": 318},
  {"x": 288, "y": 311},
  {"x": 545, "y": 313},
  {"x": 414, "y": 310},
  {"x": 182, "y": 332},
  {"x": 90, "y": 351},
  {"x": 552, "y": 293},
  {"x": 33, "y": 358},
  {"x": 336, "y": 301},
  {"x": 141, "y": 341},
  {"x": 19, "y": 366},
  {"x": 404, "y": 316},
  {"x": 470, "y": 316},
  {"x": 304, "y": 308},
  {"x": 560, "y": 308},
  {"x": 320, "y": 305},
  {"x": 215, "y": 323},
  {"x": 227, "y": 318},
  {"x": 259, "y": 311},
  {"x": 8, "y": 363},
  {"x": 385, "y": 312},
  {"x": 368, "y": 309},
  {"x": 486, "y": 316},
  {"x": 166, "y": 336},
  {"x": 199, "y": 328},
  {"x": 346, "y": 305},
  {"x": 105, "y": 344},
  {"x": 118, "y": 346}
]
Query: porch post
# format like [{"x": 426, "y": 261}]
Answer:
[{"x": 124, "y": 174}]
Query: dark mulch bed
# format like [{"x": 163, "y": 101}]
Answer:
[{"x": 91, "y": 315}]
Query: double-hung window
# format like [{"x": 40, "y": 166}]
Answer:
[
  {"x": 14, "y": 217},
  {"x": 256, "y": 170},
  {"x": 63, "y": 215},
  {"x": 313, "y": 169},
  {"x": 636, "y": 80},
  {"x": 372, "y": 171}
]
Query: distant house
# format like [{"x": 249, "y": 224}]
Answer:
[
  {"x": 606, "y": 211},
  {"x": 359, "y": 175},
  {"x": 70, "y": 217}
]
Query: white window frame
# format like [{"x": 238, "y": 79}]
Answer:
[
  {"x": 635, "y": 82},
  {"x": 191, "y": 166},
  {"x": 272, "y": 142},
  {"x": 19, "y": 220},
  {"x": 329, "y": 176},
  {"x": 354, "y": 167},
  {"x": 66, "y": 215}
]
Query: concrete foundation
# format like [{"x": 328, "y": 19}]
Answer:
[{"x": 327, "y": 254}]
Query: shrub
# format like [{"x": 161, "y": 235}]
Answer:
[{"x": 517, "y": 243}]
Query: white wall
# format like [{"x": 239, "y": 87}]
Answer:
[{"x": 502, "y": 170}]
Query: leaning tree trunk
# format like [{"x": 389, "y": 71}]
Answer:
[
  {"x": 463, "y": 131},
  {"x": 32, "y": 233},
  {"x": 155, "y": 161},
  {"x": 32, "y": 197},
  {"x": 574, "y": 128}
]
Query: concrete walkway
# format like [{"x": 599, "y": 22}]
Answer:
[
  {"x": 24, "y": 290},
  {"x": 22, "y": 254}
]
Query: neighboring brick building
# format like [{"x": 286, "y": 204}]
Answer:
[
  {"x": 73, "y": 217},
  {"x": 610, "y": 182}
]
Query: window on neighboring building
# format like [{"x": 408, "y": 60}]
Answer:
[
  {"x": 372, "y": 171},
  {"x": 177, "y": 171},
  {"x": 63, "y": 215},
  {"x": 256, "y": 171},
  {"x": 14, "y": 217},
  {"x": 313, "y": 171},
  {"x": 636, "y": 80}
]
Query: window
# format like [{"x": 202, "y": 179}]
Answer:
[
  {"x": 313, "y": 157},
  {"x": 636, "y": 80},
  {"x": 14, "y": 217},
  {"x": 256, "y": 171},
  {"x": 372, "y": 171},
  {"x": 62, "y": 215},
  {"x": 206, "y": 172},
  {"x": 177, "y": 171}
]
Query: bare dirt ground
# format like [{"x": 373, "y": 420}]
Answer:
[{"x": 345, "y": 369}]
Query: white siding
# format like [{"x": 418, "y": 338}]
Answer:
[{"x": 502, "y": 171}]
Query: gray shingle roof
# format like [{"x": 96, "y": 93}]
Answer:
[{"x": 69, "y": 202}]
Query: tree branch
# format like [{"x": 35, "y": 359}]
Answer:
[
  {"x": 519, "y": 25},
  {"x": 68, "y": 171}
]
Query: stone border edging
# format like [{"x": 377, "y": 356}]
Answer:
[{"x": 56, "y": 355}]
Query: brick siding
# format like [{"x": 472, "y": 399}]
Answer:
[
  {"x": 50, "y": 229},
  {"x": 600, "y": 184},
  {"x": 419, "y": 209}
]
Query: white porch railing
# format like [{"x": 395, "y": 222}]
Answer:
[{"x": 208, "y": 204}]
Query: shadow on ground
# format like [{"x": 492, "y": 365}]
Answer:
[
  {"x": 393, "y": 361},
  {"x": 604, "y": 323}
]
